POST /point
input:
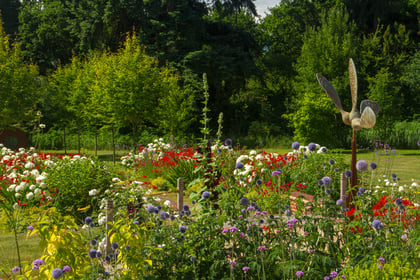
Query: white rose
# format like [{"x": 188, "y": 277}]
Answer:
[{"x": 29, "y": 196}]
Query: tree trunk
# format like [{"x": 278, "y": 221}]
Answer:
[
  {"x": 134, "y": 138},
  {"x": 64, "y": 140},
  {"x": 96, "y": 141},
  {"x": 113, "y": 145},
  {"x": 78, "y": 137}
]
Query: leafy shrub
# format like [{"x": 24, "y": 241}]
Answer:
[{"x": 71, "y": 180}]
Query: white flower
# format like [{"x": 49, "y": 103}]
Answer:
[
  {"x": 414, "y": 184},
  {"x": 29, "y": 195},
  {"x": 401, "y": 189},
  {"x": 41, "y": 125},
  {"x": 167, "y": 203},
  {"x": 37, "y": 191},
  {"x": 32, "y": 187},
  {"x": 18, "y": 195},
  {"x": 102, "y": 221},
  {"x": 116, "y": 180},
  {"x": 242, "y": 158},
  {"x": 93, "y": 192}
]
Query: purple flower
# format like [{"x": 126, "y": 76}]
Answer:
[
  {"x": 163, "y": 215},
  {"x": 377, "y": 224},
  {"x": 348, "y": 173},
  {"x": 239, "y": 165},
  {"x": 320, "y": 182},
  {"x": 182, "y": 229},
  {"x": 312, "y": 147},
  {"x": 381, "y": 260},
  {"x": 56, "y": 273},
  {"x": 259, "y": 182},
  {"x": 92, "y": 253},
  {"x": 114, "y": 246},
  {"x": 398, "y": 201},
  {"x": 418, "y": 143},
  {"x": 328, "y": 191},
  {"x": 362, "y": 165},
  {"x": 228, "y": 142},
  {"x": 127, "y": 247},
  {"x": 331, "y": 161},
  {"x": 250, "y": 208},
  {"x": 15, "y": 269},
  {"x": 66, "y": 268},
  {"x": 299, "y": 273},
  {"x": 137, "y": 222},
  {"x": 88, "y": 220},
  {"x": 373, "y": 165},
  {"x": 287, "y": 212},
  {"x": 245, "y": 269},
  {"x": 333, "y": 274},
  {"x": 233, "y": 229},
  {"x": 30, "y": 228},
  {"x": 37, "y": 263},
  {"x": 339, "y": 202},
  {"x": 186, "y": 207},
  {"x": 295, "y": 145},
  {"x": 277, "y": 172},
  {"x": 98, "y": 254},
  {"x": 327, "y": 181},
  {"x": 206, "y": 195},
  {"x": 261, "y": 248},
  {"x": 380, "y": 266},
  {"x": 326, "y": 278},
  {"x": 151, "y": 209}
]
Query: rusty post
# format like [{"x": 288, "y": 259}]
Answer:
[
  {"x": 180, "y": 198},
  {"x": 109, "y": 222}
]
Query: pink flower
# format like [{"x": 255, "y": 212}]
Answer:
[{"x": 261, "y": 248}]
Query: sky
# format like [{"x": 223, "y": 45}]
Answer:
[{"x": 263, "y": 5}]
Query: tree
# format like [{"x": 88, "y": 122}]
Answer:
[
  {"x": 9, "y": 10},
  {"x": 19, "y": 86},
  {"x": 326, "y": 50}
]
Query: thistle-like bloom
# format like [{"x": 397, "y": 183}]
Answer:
[
  {"x": 261, "y": 248},
  {"x": 245, "y": 269},
  {"x": 182, "y": 229},
  {"x": 362, "y": 165},
  {"x": 193, "y": 258},
  {"x": 312, "y": 147},
  {"x": 373, "y": 165},
  {"x": 56, "y": 273},
  {"x": 377, "y": 224},
  {"x": 418, "y": 143},
  {"x": 327, "y": 181},
  {"x": 151, "y": 209},
  {"x": 398, "y": 201},
  {"x": 93, "y": 242},
  {"x": 299, "y": 273},
  {"x": 163, "y": 215},
  {"x": 30, "y": 228},
  {"x": 348, "y": 173},
  {"x": 114, "y": 246},
  {"x": 333, "y": 274},
  {"x": 88, "y": 220},
  {"x": 206, "y": 195},
  {"x": 92, "y": 253},
  {"x": 66, "y": 268},
  {"x": 287, "y": 212},
  {"x": 186, "y": 207},
  {"x": 295, "y": 145},
  {"x": 127, "y": 247},
  {"x": 328, "y": 191},
  {"x": 228, "y": 142},
  {"x": 239, "y": 165},
  {"x": 339, "y": 202},
  {"x": 37, "y": 263},
  {"x": 244, "y": 201},
  {"x": 331, "y": 161},
  {"x": 98, "y": 254},
  {"x": 381, "y": 260},
  {"x": 259, "y": 182}
]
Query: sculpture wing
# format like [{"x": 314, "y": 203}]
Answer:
[
  {"x": 369, "y": 103},
  {"x": 353, "y": 84},
  {"x": 330, "y": 90},
  {"x": 368, "y": 118}
]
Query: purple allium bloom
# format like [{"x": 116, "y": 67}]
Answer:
[
  {"x": 151, "y": 208},
  {"x": 228, "y": 142},
  {"x": 287, "y": 212},
  {"x": 339, "y": 202},
  {"x": 127, "y": 247},
  {"x": 261, "y": 248},
  {"x": 326, "y": 278},
  {"x": 182, "y": 229},
  {"x": 88, "y": 220},
  {"x": 193, "y": 258},
  {"x": 92, "y": 253},
  {"x": 327, "y": 181},
  {"x": 295, "y": 145},
  {"x": 37, "y": 263},
  {"x": 193, "y": 202},
  {"x": 362, "y": 165},
  {"x": 93, "y": 242},
  {"x": 15, "y": 269},
  {"x": 186, "y": 207},
  {"x": 172, "y": 217},
  {"x": 381, "y": 260},
  {"x": 163, "y": 215},
  {"x": 277, "y": 172},
  {"x": 320, "y": 182},
  {"x": 98, "y": 254},
  {"x": 259, "y": 182},
  {"x": 30, "y": 228},
  {"x": 299, "y": 273},
  {"x": 66, "y": 268},
  {"x": 137, "y": 222},
  {"x": 56, "y": 273},
  {"x": 331, "y": 161},
  {"x": 239, "y": 165},
  {"x": 393, "y": 175},
  {"x": 114, "y": 246},
  {"x": 328, "y": 191},
  {"x": 244, "y": 201},
  {"x": 418, "y": 143},
  {"x": 245, "y": 269},
  {"x": 377, "y": 224},
  {"x": 333, "y": 274},
  {"x": 348, "y": 173},
  {"x": 312, "y": 146},
  {"x": 206, "y": 195},
  {"x": 398, "y": 201},
  {"x": 373, "y": 165}
]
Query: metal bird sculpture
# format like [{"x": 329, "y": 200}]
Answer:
[{"x": 366, "y": 117}]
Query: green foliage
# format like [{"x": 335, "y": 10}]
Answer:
[
  {"x": 326, "y": 50},
  {"x": 395, "y": 269},
  {"x": 71, "y": 180}
]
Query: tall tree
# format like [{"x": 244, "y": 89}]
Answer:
[
  {"x": 9, "y": 11},
  {"x": 19, "y": 86}
]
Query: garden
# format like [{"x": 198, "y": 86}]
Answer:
[{"x": 247, "y": 214}]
